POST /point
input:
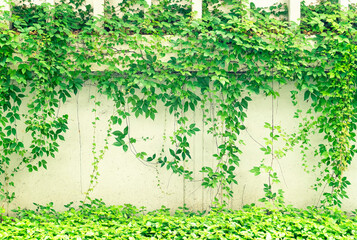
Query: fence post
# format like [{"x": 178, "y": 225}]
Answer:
[
  {"x": 4, "y": 6},
  {"x": 98, "y": 7},
  {"x": 344, "y": 4},
  {"x": 294, "y": 11},
  {"x": 197, "y": 7}
]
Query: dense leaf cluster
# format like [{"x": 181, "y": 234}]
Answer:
[{"x": 98, "y": 221}]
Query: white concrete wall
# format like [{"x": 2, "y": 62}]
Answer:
[
  {"x": 126, "y": 180},
  {"x": 123, "y": 179}
]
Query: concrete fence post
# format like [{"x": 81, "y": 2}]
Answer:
[
  {"x": 4, "y": 6},
  {"x": 98, "y": 7},
  {"x": 344, "y": 4},
  {"x": 294, "y": 11},
  {"x": 197, "y": 8}
]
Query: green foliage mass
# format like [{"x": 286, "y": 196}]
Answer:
[
  {"x": 98, "y": 221},
  {"x": 162, "y": 55}
]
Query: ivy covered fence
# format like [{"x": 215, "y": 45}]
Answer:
[{"x": 215, "y": 65}]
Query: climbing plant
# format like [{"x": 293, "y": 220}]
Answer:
[
  {"x": 330, "y": 86},
  {"x": 164, "y": 56},
  {"x": 37, "y": 63}
]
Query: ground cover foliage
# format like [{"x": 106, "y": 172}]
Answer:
[
  {"x": 95, "y": 220},
  {"x": 163, "y": 55}
]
